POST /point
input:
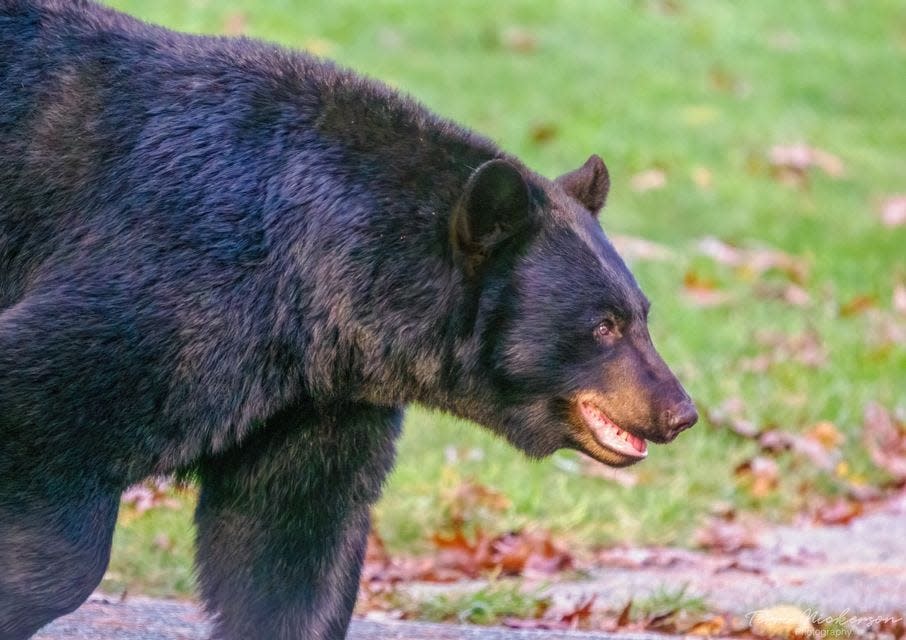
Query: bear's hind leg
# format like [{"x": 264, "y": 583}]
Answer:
[
  {"x": 54, "y": 549},
  {"x": 283, "y": 520}
]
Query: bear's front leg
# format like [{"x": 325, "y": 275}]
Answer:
[{"x": 283, "y": 519}]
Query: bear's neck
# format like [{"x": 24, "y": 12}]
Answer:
[{"x": 384, "y": 312}]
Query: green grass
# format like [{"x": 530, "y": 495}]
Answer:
[
  {"x": 712, "y": 85},
  {"x": 666, "y": 600},
  {"x": 489, "y": 605}
]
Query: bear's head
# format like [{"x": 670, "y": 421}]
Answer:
[{"x": 561, "y": 322}]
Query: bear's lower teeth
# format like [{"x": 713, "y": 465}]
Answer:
[{"x": 609, "y": 434}]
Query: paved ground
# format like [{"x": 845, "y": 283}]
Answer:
[
  {"x": 146, "y": 619},
  {"x": 857, "y": 570}
]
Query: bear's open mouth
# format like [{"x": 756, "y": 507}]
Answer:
[{"x": 608, "y": 434}]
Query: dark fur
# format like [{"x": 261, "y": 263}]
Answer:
[{"x": 220, "y": 256}]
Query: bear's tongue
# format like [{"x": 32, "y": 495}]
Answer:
[{"x": 610, "y": 435}]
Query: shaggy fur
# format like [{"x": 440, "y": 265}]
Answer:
[{"x": 221, "y": 257}]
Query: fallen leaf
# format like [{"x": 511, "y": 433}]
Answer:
[
  {"x": 791, "y": 294},
  {"x": 805, "y": 348},
  {"x": 151, "y": 494},
  {"x": 893, "y": 211},
  {"x": 624, "y": 618},
  {"x": 826, "y": 434},
  {"x": 634, "y": 248},
  {"x": 163, "y": 542},
  {"x": 899, "y": 299},
  {"x": 710, "y": 627},
  {"x": 776, "y": 441},
  {"x": 319, "y": 46},
  {"x": 838, "y": 512},
  {"x": 519, "y": 39},
  {"x": 578, "y": 614},
  {"x": 739, "y": 565},
  {"x": 702, "y": 177},
  {"x": 886, "y": 330},
  {"x": 858, "y": 305},
  {"x": 754, "y": 262},
  {"x": 730, "y": 415},
  {"x": 665, "y": 7},
  {"x": 235, "y": 24},
  {"x": 727, "y": 536},
  {"x": 702, "y": 291},
  {"x": 760, "y": 475},
  {"x": 782, "y": 621},
  {"x": 725, "y": 81},
  {"x": 791, "y": 163},
  {"x": 648, "y": 180},
  {"x": 542, "y": 132},
  {"x": 885, "y": 439},
  {"x": 468, "y": 501}
]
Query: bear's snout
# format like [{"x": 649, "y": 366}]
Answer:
[{"x": 679, "y": 418}]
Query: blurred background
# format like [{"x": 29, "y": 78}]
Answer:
[{"x": 758, "y": 158}]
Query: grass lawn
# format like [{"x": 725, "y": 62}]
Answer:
[{"x": 699, "y": 93}]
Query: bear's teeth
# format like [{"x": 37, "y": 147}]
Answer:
[{"x": 609, "y": 434}]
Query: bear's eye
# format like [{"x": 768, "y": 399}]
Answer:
[{"x": 607, "y": 328}]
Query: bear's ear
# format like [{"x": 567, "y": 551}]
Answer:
[
  {"x": 588, "y": 184},
  {"x": 494, "y": 206}
]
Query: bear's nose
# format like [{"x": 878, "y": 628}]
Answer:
[{"x": 680, "y": 418}]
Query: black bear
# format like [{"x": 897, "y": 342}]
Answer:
[{"x": 223, "y": 258}]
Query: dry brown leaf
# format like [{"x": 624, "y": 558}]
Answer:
[
  {"x": 634, "y": 248},
  {"x": 702, "y": 291},
  {"x": 648, "y": 180},
  {"x": 731, "y": 415},
  {"x": 754, "y": 262},
  {"x": 893, "y": 211},
  {"x": 162, "y": 542},
  {"x": 805, "y": 348},
  {"x": 727, "y": 536},
  {"x": 782, "y": 621},
  {"x": 712, "y": 626},
  {"x": 151, "y": 494},
  {"x": 702, "y": 177},
  {"x": 519, "y": 39},
  {"x": 760, "y": 476},
  {"x": 858, "y": 305},
  {"x": 899, "y": 299},
  {"x": 235, "y": 24},
  {"x": 318, "y": 46},
  {"x": 625, "y": 615},
  {"x": 840, "y": 511},
  {"x": 792, "y": 163},
  {"x": 776, "y": 441},
  {"x": 886, "y": 330},
  {"x": 542, "y": 132},
  {"x": 791, "y": 294},
  {"x": 467, "y": 501},
  {"x": 826, "y": 434},
  {"x": 885, "y": 439}
]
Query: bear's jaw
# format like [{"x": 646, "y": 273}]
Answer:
[{"x": 608, "y": 434}]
